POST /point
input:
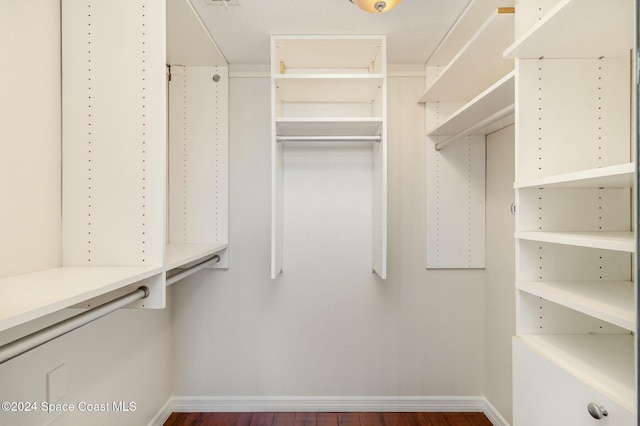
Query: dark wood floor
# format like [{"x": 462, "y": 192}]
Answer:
[{"x": 327, "y": 419}]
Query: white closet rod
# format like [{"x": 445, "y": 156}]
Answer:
[
  {"x": 171, "y": 279},
  {"x": 329, "y": 138},
  {"x": 505, "y": 112},
  {"x": 33, "y": 340}
]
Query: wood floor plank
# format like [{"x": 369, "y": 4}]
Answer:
[
  {"x": 241, "y": 419},
  {"x": 262, "y": 419},
  {"x": 477, "y": 419},
  {"x": 348, "y": 419},
  {"x": 435, "y": 419},
  {"x": 414, "y": 419},
  {"x": 305, "y": 419},
  {"x": 392, "y": 419},
  {"x": 215, "y": 419},
  {"x": 371, "y": 419},
  {"x": 457, "y": 419},
  {"x": 327, "y": 419},
  {"x": 284, "y": 419}
]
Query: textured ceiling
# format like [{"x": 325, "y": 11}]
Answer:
[{"x": 413, "y": 29}]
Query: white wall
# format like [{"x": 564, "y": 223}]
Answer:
[
  {"x": 125, "y": 356},
  {"x": 500, "y": 271},
  {"x": 328, "y": 326}
]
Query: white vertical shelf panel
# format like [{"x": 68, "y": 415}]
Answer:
[
  {"x": 30, "y": 160},
  {"x": 456, "y": 205},
  {"x": 198, "y": 156},
  {"x": 114, "y": 115},
  {"x": 576, "y": 106}
]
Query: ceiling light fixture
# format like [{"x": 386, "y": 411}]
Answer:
[{"x": 376, "y": 6}]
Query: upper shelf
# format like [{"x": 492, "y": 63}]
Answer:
[
  {"x": 579, "y": 29},
  {"x": 618, "y": 176},
  {"x": 328, "y": 88},
  {"x": 327, "y": 54},
  {"x": 328, "y": 126},
  {"x": 471, "y": 19},
  {"x": 478, "y": 65},
  {"x": 478, "y": 113}
]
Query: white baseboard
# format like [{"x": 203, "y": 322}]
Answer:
[
  {"x": 162, "y": 415},
  {"x": 340, "y": 404}
]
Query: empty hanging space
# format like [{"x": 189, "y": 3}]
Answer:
[
  {"x": 329, "y": 93},
  {"x": 198, "y": 143}
]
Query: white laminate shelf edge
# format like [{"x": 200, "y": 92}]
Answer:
[
  {"x": 30, "y": 296},
  {"x": 610, "y": 301},
  {"x": 618, "y": 176},
  {"x": 477, "y": 66},
  {"x": 180, "y": 254},
  {"x": 329, "y": 126},
  {"x": 603, "y": 361},
  {"x": 328, "y": 88},
  {"x": 616, "y": 241},
  {"x": 493, "y": 100},
  {"x": 27, "y": 297},
  {"x": 471, "y": 19},
  {"x": 576, "y": 29}
]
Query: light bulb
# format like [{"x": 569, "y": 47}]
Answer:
[{"x": 376, "y": 6}]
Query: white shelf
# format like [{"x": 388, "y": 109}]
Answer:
[
  {"x": 27, "y": 297},
  {"x": 618, "y": 176},
  {"x": 302, "y": 54},
  {"x": 617, "y": 241},
  {"x": 478, "y": 65},
  {"x": 180, "y": 254},
  {"x": 471, "y": 19},
  {"x": 603, "y": 361},
  {"x": 328, "y": 87},
  {"x": 496, "y": 98},
  {"x": 611, "y": 301},
  {"x": 579, "y": 29},
  {"x": 328, "y": 126}
]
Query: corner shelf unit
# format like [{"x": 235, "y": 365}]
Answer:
[
  {"x": 119, "y": 180},
  {"x": 329, "y": 89},
  {"x": 469, "y": 94},
  {"x": 575, "y": 216}
]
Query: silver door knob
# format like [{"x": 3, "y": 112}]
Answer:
[{"x": 597, "y": 411}]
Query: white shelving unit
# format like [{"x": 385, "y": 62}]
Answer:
[
  {"x": 482, "y": 54},
  {"x": 115, "y": 194},
  {"x": 469, "y": 94},
  {"x": 329, "y": 89},
  {"x": 575, "y": 236}
]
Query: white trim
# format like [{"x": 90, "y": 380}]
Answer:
[
  {"x": 163, "y": 415},
  {"x": 209, "y": 404},
  {"x": 493, "y": 415}
]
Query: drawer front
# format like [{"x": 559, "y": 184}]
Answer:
[{"x": 546, "y": 395}]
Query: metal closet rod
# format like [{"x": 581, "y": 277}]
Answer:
[
  {"x": 33, "y": 340},
  {"x": 505, "y": 112},
  {"x": 329, "y": 138},
  {"x": 173, "y": 277}
]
